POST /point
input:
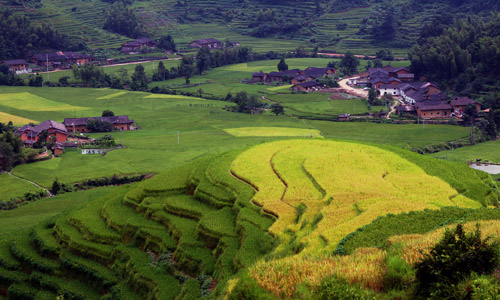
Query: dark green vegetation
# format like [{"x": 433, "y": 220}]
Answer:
[
  {"x": 453, "y": 259},
  {"x": 464, "y": 56}
]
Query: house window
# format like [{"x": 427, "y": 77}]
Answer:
[
  {"x": 445, "y": 113},
  {"x": 438, "y": 113},
  {"x": 431, "y": 114}
]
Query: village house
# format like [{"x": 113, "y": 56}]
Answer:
[
  {"x": 300, "y": 79},
  {"x": 460, "y": 103},
  {"x": 80, "y": 124},
  {"x": 57, "y": 149},
  {"x": 61, "y": 60},
  {"x": 306, "y": 86},
  {"x": 16, "y": 65},
  {"x": 278, "y": 76},
  {"x": 344, "y": 117},
  {"x": 136, "y": 45},
  {"x": 209, "y": 43},
  {"x": 259, "y": 77},
  {"x": 30, "y": 134},
  {"x": 433, "y": 109}
]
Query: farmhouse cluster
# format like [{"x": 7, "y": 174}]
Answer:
[
  {"x": 57, "y": 60},
  {"x": 59, "y": 132},
  {"x": 423, "y": 99},
  {"x": 302, "y": 80}
]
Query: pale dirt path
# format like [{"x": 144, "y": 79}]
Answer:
[
  {"x": 49, "y": 194},
  {"x": 393, "y": 109},
  {"x": 350, "y": 90}
]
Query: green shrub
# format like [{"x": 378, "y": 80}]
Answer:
[
  {"x": 190, "y": 290},
  {"x": 337, "y": 289},
  {"x": 21, "y": 291},
  {"x": 452, "y": 260},
  {"x": 22, "y": 249},
  {"x": 399, "y": 275}
]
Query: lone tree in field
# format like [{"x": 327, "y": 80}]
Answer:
[
  {"x": 470, "y": 115},
  {"x": 277, "y": 109},
  {"x": 139, "y": 79},
  {"x": 349, "y": 64},
  {"x": 372, "y": 96},
  {"x": 282, "y": 66},
  {"x": 108, "y": 113}
]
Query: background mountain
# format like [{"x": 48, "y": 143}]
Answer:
[{"x": 358, "y": 25}]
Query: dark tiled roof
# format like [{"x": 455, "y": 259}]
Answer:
[
  {"x": 259, "y": 74},
  {"x": 131, "y": 44},
  {"x": 462, "y": 101},
  {"x": 406, "y": 108},
  {"x": 14, "y": 62},
  {"x": 46, "y": 125},
  {"x": 410, "y": 76},
  {"x": 300, "y": 77},
  {"x": 308, "y": 84},
  {"x": 145, "y": 40},
  {"x": 206, "y": 41},
  {"x": 111, "y": 119},
  {"x": 317, "y": 72},
  {"x": 433, "y": 105}
]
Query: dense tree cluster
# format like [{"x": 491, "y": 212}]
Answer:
[
  {"x": 9, "y": 78},
  {"x": 10, "y": 147},
  {"x": 19, "y": 37},
  {"x": 268, "y": 22},
  {"x": 167, "y": 43},
  {"x": 122, "y": 20},
  {"x": 464, "y": 55}
]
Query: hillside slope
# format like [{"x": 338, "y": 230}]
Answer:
[
  {"x": 186, "y": 232},
  {"x": 361, "y": 26}
]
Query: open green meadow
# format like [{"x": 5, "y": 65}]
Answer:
[
  {"x": 201, "y": 124},
  {"x": 485, "y": 151},
  {"x": 12, "y": 187}
]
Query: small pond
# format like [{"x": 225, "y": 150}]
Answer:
[{"x": 488, "y": 168}]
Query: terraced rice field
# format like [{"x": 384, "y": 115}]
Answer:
[
  {"x": 331, "y": 180},
  {"x": 188, "y": 230}
]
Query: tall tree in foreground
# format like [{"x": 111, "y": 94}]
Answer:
[{"x": 349, "y": 64}]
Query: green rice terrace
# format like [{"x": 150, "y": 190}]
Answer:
[{"x": 222, "y": 225}]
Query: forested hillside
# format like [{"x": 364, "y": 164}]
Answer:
[{"x": 359, "y": 25}]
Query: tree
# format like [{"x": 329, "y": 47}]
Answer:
[
  {"x": 139, "y": 79},
  {"x": 453, "y": 259},
  {"x": 37, "y": 80},
  {"x": 99, "y": 126},
  {"x": 56, "y": 187},
  {"x": 277, "y": 109},
  {"x": 282, "y": 66},
  {"x": 470, "y": 115},
  {"x": 107, "y": 113},
  {"x": 372, "y": 96},
  {"x": 349, "y": 64},
  {"x": 162, "y": 71},
  {"x": 122, "y": 20},
  {"x": 167, "y": 43},
  {"x": 203, "y": 59}
]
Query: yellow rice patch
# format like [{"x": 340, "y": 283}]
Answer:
[
  {"x": 5, "y": 118},
  {"x": 110, "y": 96},
  {"x": 164, "y": 96},
  {"x": 31, "y": 102},
  {"x": 273, "y": 131}
]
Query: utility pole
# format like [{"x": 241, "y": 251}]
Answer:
[
  {"x": 178, "y": 138},
  {"x": 47, "y": 65},
  {"x": 121, "y": 137}
]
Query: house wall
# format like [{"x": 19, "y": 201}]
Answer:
[
  {"x": 433, "y": 90},
  {"x": 434, "y": 114},
  {"x": 61, "y": 137},
  {"x": 391, "y": 91}
]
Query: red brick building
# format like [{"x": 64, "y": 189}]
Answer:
[{"x": 30, "y": 134}]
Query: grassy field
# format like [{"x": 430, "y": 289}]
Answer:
[
  {"x": 12, "y": 187},
  {"x": 201, "y": 124},
  {"x": 148, "y": 68},
  {"x": 24, "y": 217},
  {"x": 486, "y": 151}
]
